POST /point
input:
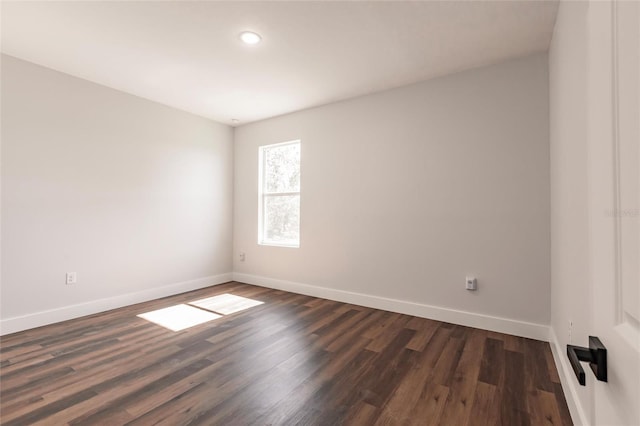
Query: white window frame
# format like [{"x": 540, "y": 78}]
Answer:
[{"x": 263, "y": 195}]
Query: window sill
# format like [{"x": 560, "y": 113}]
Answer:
[{"x": 274, "y": 244}]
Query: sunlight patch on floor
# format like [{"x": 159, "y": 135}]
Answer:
[
  {"x": 226, "y": 303},
  {"x": 179, "y": 317}
]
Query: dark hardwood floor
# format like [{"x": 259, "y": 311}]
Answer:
[{"x": 294, "y": 360}]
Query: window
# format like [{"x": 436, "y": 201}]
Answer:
[{"x": 279, "y": 204}]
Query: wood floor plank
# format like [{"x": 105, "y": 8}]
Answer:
[
  {"x": 543, "y": 409},
  {"x": 463, "y": 385},
  {"x": 367, "y": 319},
  {"x": 551, "y": 365},
  {"x": 513, "y": 409},
  {"x": 361, "y": 414},
  {"x": 482, "y": 411},
  {"x": 423, "y": 335},
  {"x": 429, "y": 410},
  {"x": 139, "y": 379},
  {"x": 292, "y": 360},
  {"x": 492, "y": 361},
  {"x": 447, "y": 362},
  {"x": 380, "y": 341},
  {"x": 411, "y": 393},
  {"x": 537, "y": 367},
  {"x": 561, "y": 403}
]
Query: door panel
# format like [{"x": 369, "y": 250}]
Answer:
[
  {"x": 614, "y": 212},
  {"x": 626, "y": 72}
]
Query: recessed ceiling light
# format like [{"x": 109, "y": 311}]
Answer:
[
  {"x": 249, "y": 37},
  {"x": 235, "y": 120}
]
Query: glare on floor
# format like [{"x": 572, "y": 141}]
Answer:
[
  {"x": 179, "y": 317},
  {"x": 226, "y": 303}
]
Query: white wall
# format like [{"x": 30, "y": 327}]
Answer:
[
  {"x": 570, "y": 295},
  {"x": 407, "y": 191},
  {"x": 132, "y": 195}
]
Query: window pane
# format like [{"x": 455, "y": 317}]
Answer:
[
  {"x": 282, "y": 219},
  {"x": 282, "y": 168}
]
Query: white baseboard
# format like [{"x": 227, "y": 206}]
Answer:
[
  {"x": 470, "y": 319},
  {"x": 37, "y": 319},
  {"x": 568, "y": 380}
]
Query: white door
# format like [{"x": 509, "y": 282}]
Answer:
[{"x": 614, "y": 208}]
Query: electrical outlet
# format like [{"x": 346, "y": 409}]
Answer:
[
  {"x": 72, "y": 278},
  {"x": 242, "y": 256},
  {"x": 471, "y": 283},
  {"x": 570, "y": 331}
]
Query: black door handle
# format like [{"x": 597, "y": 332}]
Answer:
[{"x": 595, "y": 355}]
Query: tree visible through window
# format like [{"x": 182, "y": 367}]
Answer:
[{"x": 279, "y": 212}]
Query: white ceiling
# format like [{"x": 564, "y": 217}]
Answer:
[{"x": 188, "y": 55}]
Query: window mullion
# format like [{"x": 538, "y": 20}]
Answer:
[{"x": 280, "y": 194}]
